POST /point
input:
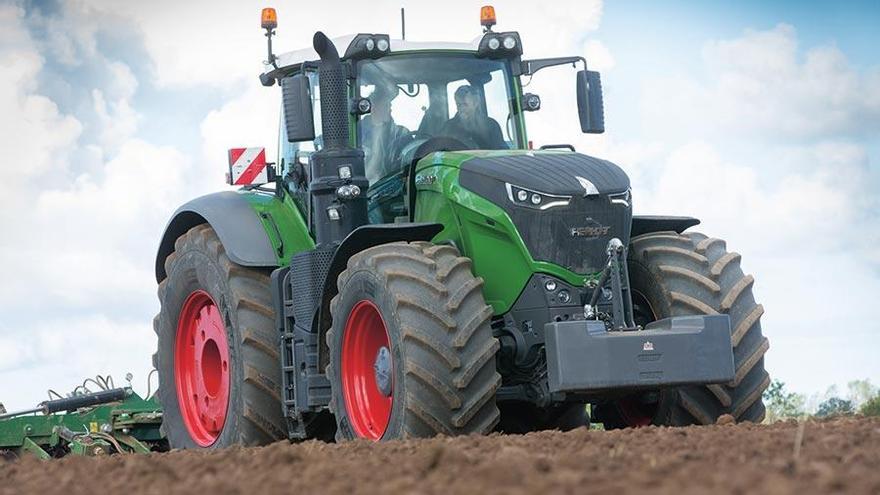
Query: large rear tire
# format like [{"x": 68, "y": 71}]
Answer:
[
  {"x": 690, "y": 274},
  {"x": 217, "y": 358},
  {"x": 411, "y": 349}
]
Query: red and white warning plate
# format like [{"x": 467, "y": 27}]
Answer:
[{"x": 247, "y": 166}]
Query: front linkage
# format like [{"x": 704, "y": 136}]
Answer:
[
  {"x": 621, "y": 301},
  {"x": 610, "y": 351}
]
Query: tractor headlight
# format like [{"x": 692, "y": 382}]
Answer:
[
  {"x": 509, "y": 42},
  {"x": 382, "y": 44},
  {"x": 564, "y": 296},
  {"x": 348, "y": 191},
  {"x": 528, "y": 198},
  {"x": 494, "y": 43}
]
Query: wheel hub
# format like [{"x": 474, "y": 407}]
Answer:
[
  {"x": 201, "y": 368},
  {"x": 382, "y": 369}
]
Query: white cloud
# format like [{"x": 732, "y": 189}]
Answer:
[
  {"x": 761, "y": 86},
  {"x": 598, "y": 56},
  {"x": 117, "y": 120},
  {"x": 61, "y": 360},
  {"x": 71, "y": 37},
  {"x": 32, "y": 130},
  {"x": 250, "y": 120},
  {"x": 77, "y": 248}
]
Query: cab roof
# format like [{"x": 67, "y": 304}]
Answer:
[{"x": 297, "y": 57}]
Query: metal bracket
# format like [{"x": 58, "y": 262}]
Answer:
[{"x": 131, "y": 442}]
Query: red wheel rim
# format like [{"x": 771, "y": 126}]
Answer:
[
  {"x": 365, "y": 335},
  {"x": 201, "y": 368}
]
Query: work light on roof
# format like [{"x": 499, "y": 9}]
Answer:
[
  {"x": 500, "y": 45},
  {"x": 366, "y": 45}
]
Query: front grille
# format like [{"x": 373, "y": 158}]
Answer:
[
  {"x": 575, "y": 236},
  {"x": 572, "y": 236}
]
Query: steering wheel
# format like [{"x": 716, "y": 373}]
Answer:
[{"x": 442, "y": 143}]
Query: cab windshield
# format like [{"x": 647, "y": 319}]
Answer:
[{"x": 456, "y": 97}]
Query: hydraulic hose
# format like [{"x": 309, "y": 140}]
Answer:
[{"x": 92, "y": 399}]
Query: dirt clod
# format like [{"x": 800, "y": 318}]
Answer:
[
  {"x": 725, "y": 419},
  {"x": 841, "y": 455}
]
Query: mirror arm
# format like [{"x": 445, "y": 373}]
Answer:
[{"x": 529, "y": 67}]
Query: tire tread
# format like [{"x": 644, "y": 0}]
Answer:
[
  {"x": 695, "y": 274},
  {"x": 445, "y": 338}
]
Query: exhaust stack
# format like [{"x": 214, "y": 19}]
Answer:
[
  {"x": 334, "y": 100},
  {"x": 339, "y": 184}
]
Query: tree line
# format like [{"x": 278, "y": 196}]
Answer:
[{"x": 861, "y": 397}]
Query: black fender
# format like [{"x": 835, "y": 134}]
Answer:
[
  {"x": 361, "y": 238},
  {"x": 237, "y": 225},
  {"x": 645, "y": 224}
]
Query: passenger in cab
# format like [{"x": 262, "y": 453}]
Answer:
[{"x": 380, "y": 137}]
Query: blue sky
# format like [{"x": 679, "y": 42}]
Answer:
[{"x": 762, "y": 118}]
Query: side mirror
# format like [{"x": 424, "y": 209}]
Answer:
[
  {"x": 590, "y": 107},
  {"x": 297, "y": 108}
]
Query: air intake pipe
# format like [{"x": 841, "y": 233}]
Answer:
[{"x": 339, "y": 184}]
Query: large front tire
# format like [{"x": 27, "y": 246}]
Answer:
[
  {"x": 691, "y": 274},
  {"x": 411, "y": 349},
  {"x": 217, "y": 358}
]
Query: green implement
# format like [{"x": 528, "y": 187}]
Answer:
[{"x": 100, "y": 423}]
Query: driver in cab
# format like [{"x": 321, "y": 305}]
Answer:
[
  {"x": 470, "y": 125},
  {"x": 380, "y": 136}
]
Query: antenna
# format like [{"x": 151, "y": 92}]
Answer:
[{"x": 402, "y": 24}]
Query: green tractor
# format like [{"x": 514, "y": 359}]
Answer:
[{"x": 412, "y": 267}]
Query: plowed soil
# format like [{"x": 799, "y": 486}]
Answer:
[{"x": 840, "y": 455}]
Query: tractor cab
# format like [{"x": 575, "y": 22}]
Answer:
[
  {"x": 419, "y": 97},
  {"x": 404, "y": 100}
]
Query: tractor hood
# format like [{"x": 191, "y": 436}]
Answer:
[
  {"x": 553, "y": 173},
  {"x": 565, "y": 206}
]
